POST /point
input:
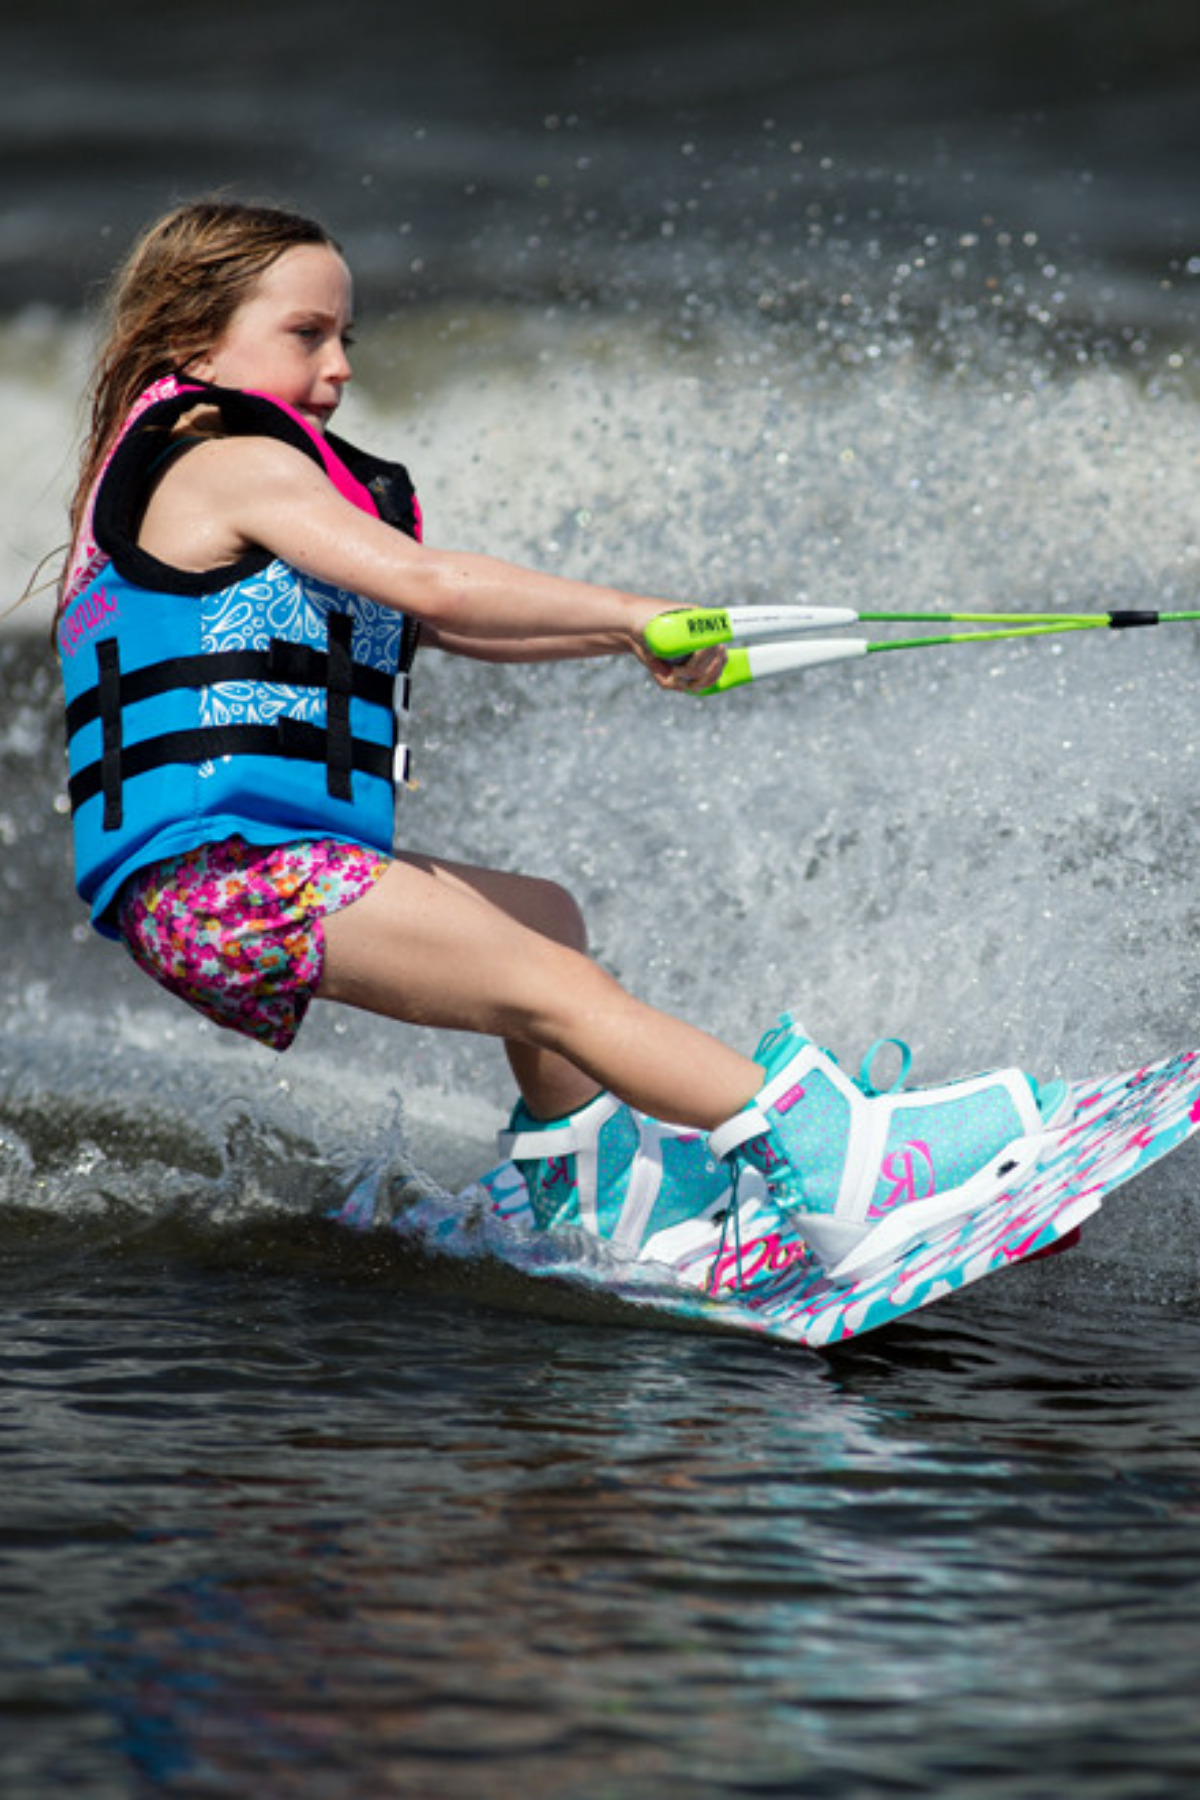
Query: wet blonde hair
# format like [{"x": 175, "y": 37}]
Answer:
[{"x": 172, "y": 300}]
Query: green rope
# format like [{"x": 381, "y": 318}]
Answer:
[{"x": 985, "y": 637}]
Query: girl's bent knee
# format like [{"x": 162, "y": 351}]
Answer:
[{"x": 557, "y": 914}]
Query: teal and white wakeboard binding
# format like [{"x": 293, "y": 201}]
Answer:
[{"x": 865, "y": 1174}]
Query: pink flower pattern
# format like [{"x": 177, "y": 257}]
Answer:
[{"x": 235, "y": 929}]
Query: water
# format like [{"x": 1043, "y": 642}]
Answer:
[{"x": 862, "y": 305}]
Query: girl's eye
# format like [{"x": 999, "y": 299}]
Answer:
[{"x": 317, "y": 334}]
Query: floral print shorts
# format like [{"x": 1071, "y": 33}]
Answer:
[{"x": 235, "y": 929}]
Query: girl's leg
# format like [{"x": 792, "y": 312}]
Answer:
[
  {"x": 465, "y": 949},
  {"x": 549, "y": 909},
  {"x": 474, "y": 951}
]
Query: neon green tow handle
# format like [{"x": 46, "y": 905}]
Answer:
[{"x": 672, "y": 635}]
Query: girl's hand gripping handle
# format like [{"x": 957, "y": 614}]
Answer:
[{"x": 674, "y": 635}]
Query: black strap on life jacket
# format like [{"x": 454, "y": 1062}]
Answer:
[
  {"x": 299, "y": 665},
  {"x": 108, "y": 699},
  {"x": 338, "y": 689},
  {"x": 291, "y": 665}
]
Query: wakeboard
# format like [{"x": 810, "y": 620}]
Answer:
[{"x": 761, "y": 1278}]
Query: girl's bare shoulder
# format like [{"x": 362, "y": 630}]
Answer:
[{"x": 210, "y": 494}]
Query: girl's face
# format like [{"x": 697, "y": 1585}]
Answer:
[{"x": 290, "y": 338}]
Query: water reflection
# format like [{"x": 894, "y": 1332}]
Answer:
[{"x": 441, "y": 1551}]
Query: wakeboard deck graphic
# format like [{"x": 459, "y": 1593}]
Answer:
[{"x": 766, "y": 1283}]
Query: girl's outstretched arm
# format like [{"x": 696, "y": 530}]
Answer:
[
  {"x": 697, "y": 671},
  {"x": 231, "y": 495}
]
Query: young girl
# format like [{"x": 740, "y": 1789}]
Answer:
[{"x": 243, "y": 591}]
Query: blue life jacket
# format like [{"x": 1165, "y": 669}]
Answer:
[{"x": 249, "y": 700}]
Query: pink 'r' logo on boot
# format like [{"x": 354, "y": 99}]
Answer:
[{"x": 910, "y": 1171}]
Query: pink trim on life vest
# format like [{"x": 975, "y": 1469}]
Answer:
[{"x": 347, "y": 485}]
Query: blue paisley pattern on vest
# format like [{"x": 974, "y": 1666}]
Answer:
[{"x": 281, "y": 603}]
